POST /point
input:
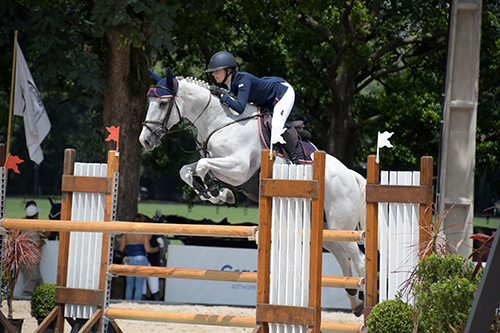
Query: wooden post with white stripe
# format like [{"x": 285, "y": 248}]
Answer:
[
  {"x": 281, "y": 245},
  {"x": 81, "y": 296}
]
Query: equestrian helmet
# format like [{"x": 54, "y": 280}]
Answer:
[{"x": 221, "y": 60}]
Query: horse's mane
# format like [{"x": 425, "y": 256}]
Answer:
[{"x": 203, "y": 84}]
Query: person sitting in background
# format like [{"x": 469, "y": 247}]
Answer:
[{"x": 32, "y": 275}]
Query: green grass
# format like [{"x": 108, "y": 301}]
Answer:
[
  {"x": 202, "y": 211},
  {"x": 14, "y": 208},
  {"x": 487, "y": 223}
]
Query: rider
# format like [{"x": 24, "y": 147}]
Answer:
[{"x": 272, "y": 93}]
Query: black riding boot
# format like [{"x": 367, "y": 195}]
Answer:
[{"x": 290, "y": 147}]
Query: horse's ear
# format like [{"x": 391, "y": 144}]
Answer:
[
  {"x": 170, "y": 78},
  {"x": 155, "y": 76}
]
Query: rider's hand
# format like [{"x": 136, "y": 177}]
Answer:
[{"x": 216, "y": 90}]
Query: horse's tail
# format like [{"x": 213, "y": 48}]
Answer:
[{"x": 362, "y": 199}]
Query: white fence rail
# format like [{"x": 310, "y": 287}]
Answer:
[
  {"x": 85, "y": 247},
  {"x": 290, "y": 247}
]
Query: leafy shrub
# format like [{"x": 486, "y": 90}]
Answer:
[
  {"x": 444, "y": 292},
  {"x": 43, "y": 300},
  {"x": 391, "y": 316}
]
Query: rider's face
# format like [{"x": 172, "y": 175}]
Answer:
[{"x": 219, "y": 75}]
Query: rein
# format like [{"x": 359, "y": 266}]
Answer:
[
  {"x": 204, "y": 145},
  {"x": 163, "y": 130}
]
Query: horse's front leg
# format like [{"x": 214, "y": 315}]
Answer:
[
  {"x": 230, "y": 169},
  {"x": 187, "y": 174}
]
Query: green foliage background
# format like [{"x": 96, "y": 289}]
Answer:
[{"x": 357, "y": 68}]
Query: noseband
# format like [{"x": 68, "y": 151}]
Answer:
[{"x": 159, "y": 133}]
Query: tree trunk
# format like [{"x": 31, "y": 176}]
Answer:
[
  {"x": 341, "y": 133},
  {"x": 123, "y": 109}
]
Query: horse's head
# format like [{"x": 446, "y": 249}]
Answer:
[{"x": 161, "y": 115}]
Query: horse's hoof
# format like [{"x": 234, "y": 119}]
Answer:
[
  {"x": 228, "y": 196},
  {"x": 358, "y": 311}
]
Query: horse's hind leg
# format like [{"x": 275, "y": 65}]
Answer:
[{"x": 344, "y": 261}]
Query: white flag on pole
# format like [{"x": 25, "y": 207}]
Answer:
[
  {"x": 383, "y": 141},
  {"x": 28, "y": 104}
]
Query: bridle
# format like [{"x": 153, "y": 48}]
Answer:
[{"x": 163, "y": 130}]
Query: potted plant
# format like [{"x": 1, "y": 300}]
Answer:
[
  {"x": 42, "y": 302},
  {"x": 18, "y": 250}
]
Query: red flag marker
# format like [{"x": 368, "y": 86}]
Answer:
[
  {"x": 12, "y": 161},
  {"x": 114, "y": 134}
]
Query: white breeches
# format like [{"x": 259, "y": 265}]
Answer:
[{"x": 281, "y": 112}]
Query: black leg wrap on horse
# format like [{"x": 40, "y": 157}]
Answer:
[
  {"x": 213, "y": 187},
  {"x": 351, "y": 292},
  {"x": 290, "y": 147},
  {"x": 201, "y": 189}
]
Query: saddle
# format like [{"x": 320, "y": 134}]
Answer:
[
  {"x": 295, "y": 128},
  {"x": 300, "y": 136}
]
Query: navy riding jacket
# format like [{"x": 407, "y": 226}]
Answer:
[{"x": 266, "y": 91}]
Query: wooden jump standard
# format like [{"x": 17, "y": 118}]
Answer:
[
  {"x": 376, "y": 193},
  {"x": 267, "y": 313},
  {"x": 64, "y": 295}
]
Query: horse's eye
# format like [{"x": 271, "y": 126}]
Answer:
[{"x": 163, "y": 104}]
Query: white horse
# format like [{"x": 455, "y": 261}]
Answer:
[{"x": 231, "y": 147}]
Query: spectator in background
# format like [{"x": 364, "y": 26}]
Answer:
[
  {"x": 155, "y": 284},
  {"x": 32, "y": 275},
  {"x": 136, "y": 247}
]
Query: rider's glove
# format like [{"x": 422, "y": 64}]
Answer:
[{"x": 216, "y": 90}]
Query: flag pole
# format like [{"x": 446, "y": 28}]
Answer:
[{"x": 11, "y": 105}]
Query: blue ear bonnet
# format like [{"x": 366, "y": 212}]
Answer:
[{"x": 165, "y": 87}]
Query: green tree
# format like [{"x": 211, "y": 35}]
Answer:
[
  {"x": 488, "y": 115},
  {"x": 331, "y": 51},
  {"x": 97, "y": 53}
]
